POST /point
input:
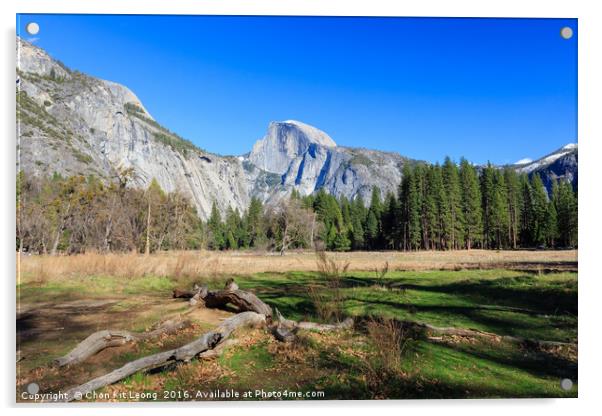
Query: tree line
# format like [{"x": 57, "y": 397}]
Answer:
[{"x": 436, "y": 207}]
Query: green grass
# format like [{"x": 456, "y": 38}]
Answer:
[
  {"x": 95, "y": 286},
  {"x": 538, "y": 306},
  {"x": 501, "y": 301},
  {"x": 246, "y": 362},
  {"x": 486, "y": 370}
]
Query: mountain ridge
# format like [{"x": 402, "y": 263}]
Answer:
[{"x": 72, "y": 123}]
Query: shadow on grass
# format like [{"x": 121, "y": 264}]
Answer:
[
  {"x": 348, "y": 377},
  {"x": 455, "y": 368},
  {"x": 539, "y": 363},
  {"x": 527, "y": 292},
  {"x": 497, "y": 320},
  {"x": 522, "y": 291},
  {"x": 522, "y": 305}
]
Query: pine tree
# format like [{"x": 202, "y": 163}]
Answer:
[
  {"x": 551, "y": 225},
  {"x": 232, "y": 229},
  {"x": 540, "y": 210},
  {"x": 215, "y": 227},
  {"x": 358, "y": 219},
  {"x": 254, "y": 223},
  {"x": 345, "y": 207},
  {"x": 526, "y": 212},
  {"x": 566, "y": 207},
  {"x": 376, "y": 202},
  {"x": 373, "y": 226},
  {"x": 437, "y": 213},
  {"x": 231, "y": 241},
  {"x": 341, "y": 241},
  {"x": 389, "y": 221},
  {"x": 430, "y": 219},
  {"x": 372, "y": 230},
  {"x": 403, "y": 193},
  {"x": 514, "y": 206},
  {"x": 471, "y": 204},
  {"x": 487, "y": 196},
  {"x": 499, "y": 211},
  {"x": 415, "y": 204},
  {"x": 451, "y": 182}
]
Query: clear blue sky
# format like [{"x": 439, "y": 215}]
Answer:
[{"x": 486, "y": 89}]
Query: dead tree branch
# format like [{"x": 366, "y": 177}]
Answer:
[
  {"x": 100, "y": 340},
  {"x": 205, "y": 342},
  {"x": 244, "y": 301}
]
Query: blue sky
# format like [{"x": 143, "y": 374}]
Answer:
[{"x": 486, "y": 89}]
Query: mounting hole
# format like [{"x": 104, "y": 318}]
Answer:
[
  {"x": 33, "y": 388},
  {"x": 566, "y": 32},
  {"x": 566, "y": 384},
  {"x": 32, "y": 28}
]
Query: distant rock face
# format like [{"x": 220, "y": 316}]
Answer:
[
  {"x": 561, "y": 164},
  {"x": 308, "y": 159},
  {"x": 286, "y": 141},
  {"x": 36, "y": 61},
  {"x": 71, "y": 123}
]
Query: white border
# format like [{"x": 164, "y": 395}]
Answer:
[{"x": 590, "y": 135}]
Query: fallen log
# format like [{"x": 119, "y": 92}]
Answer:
[
  {"x": 219, "y": 350},
  {"x": 244, "y": 301},
  {"x": 107, "y": 338},
  {"x": 205, "y": 342},
  {"x": 466, "y": 332},
  {"x": 313, "y": 326},
  {"x": 285, "y": 330}
]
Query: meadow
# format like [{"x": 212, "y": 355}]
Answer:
[{"x": 504, "y": 295}]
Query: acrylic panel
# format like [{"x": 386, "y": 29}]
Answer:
[{"x": 295, "y": 208}]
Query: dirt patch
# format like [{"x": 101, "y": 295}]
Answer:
[
  {"x": 49, "y": 330},
  {"x": 212, "y": 317}
]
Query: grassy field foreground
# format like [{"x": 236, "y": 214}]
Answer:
[{"x": 533, "y": 295}]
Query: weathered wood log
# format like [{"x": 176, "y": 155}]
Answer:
[
  {"x": 107, "y": 338},
  {"x": 205, "y": 342},
  {"x": 219, "y": 350},
  {"x": 284, "y": 334},
  {"x": 312, "y": 326},
  {"x": 285, "y": 330},
  {"x": 244, "y": 301},
  {"x": 467, "y": 332},
  {"x": 199, "y": 294},
  {"x": 283, "y": 322}
]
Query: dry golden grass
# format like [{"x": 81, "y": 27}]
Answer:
[
  {"x": 186, "y": 265},
  {"x": 389, "y": 341}
]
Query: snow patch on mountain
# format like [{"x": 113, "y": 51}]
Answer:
[{"x": 549, "y": 159}]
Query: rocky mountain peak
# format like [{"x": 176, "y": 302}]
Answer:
[
  {"x": 313, "y": 134},
  {"x": 35, "y": 60},
  {"x": 531, "y": 166},
  {"x": 284, "y": 142}
]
